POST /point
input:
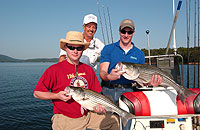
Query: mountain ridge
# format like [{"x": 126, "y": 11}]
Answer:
[{"x": 5, "y": 58}]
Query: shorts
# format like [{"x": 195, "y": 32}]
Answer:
[{"x": 91, "y": 120}]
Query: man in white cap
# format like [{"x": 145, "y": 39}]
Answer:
[
  {"x": 90, "y": 55},
  {"x": 68, "y": 114}
]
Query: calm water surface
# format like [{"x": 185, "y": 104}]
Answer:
[{"x": 19, "y": 110}]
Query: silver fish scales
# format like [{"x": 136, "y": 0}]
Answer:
[
  {"x": 142, "y": 73},
  {"x": 90, "y": 99}
]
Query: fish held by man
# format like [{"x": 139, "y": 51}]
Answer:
[
  {"x": 142, "y": 73},
  {"x": 90, "y": 99}
]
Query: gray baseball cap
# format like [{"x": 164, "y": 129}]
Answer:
[{"x": 127, "y": 23}]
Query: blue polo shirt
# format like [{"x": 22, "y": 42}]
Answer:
[{"x": 113, "y": 53}]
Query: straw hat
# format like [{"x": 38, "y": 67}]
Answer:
[{"x": 73, "y": 37}]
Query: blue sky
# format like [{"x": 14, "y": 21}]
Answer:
[{"x": 33, "y": 28}]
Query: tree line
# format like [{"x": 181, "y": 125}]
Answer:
[{"x": 194, "y": 53}]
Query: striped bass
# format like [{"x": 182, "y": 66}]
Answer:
[
  {"x": 142, "y": 73},
  {"x": 90, "y": 99}
]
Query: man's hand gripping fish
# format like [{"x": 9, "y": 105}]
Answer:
[
  {"x": 90, "y": 99},
  {"x": 142, "y": 73}
]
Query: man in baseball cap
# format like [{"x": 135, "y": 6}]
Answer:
[
  {"x": 127, "y": 23},
  {"x": 113, "y": 83},
  {"x": 91, "y": 54},
  {"x": 90, "y": 18}
]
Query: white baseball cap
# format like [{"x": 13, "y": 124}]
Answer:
[{"x": 89, "y": 19}]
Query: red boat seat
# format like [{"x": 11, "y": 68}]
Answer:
[{"x": 160, "y": 102}]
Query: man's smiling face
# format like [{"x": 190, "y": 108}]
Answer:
[{"x": 90, "y": 29}]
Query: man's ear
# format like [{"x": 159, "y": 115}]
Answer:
[
  {"x": 84, "y": 27},
  {"x": 119, "y": 30}
]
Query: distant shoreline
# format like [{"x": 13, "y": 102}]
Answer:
[
  {"x": 7, "y": 59},
  {"x": 194, "y": 63},
  {"x": 57, "y": 61},
  {"x": 30, "y": 62}
]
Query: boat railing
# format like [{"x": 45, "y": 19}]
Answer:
[{"x": 169, "y": 64}]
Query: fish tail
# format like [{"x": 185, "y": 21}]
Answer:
[
  {"x": 182, "y": 97},
  {"x": 188, "y": 92},
  {"x": 185, "y": 93},
  {"x": 126, "y": 117}
]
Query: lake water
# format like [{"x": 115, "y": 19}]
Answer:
[{"x": 19, "y": 110}]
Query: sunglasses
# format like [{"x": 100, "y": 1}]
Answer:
[
  {"x": 124, "y": 32},
  {"x": 77, "y": 48}
]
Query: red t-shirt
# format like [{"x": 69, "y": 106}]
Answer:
[{"x": 63, "y": 74}]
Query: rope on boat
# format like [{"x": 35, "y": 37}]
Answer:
[
  {"x": 188, "y": 37},
  {"x": 100, "y": 22},
  {"x": 194, "y": 61},
  {"x": 198, "y": 52},
  {"x": 110, "y": 25},
  {"x": 105, "y": 24}
]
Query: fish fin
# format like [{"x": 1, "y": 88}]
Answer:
[
  {"x": 128, "y": 76},
  {"x": 110, "y": 97},
  {"x": 185, "y": 93},
  {"x": 82, "y": 110},
  {"x": 165, "y": 86},
  {"x": 126, "y": 117},
  {"x": 168, "y": 73},
  {"x": 140, "y": 82},
  {"x": 85, "y": 98},
  {"x": 188, "y": 92},
  {"x": 182, "y": 97}
]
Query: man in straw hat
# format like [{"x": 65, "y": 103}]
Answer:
[
  {"x": 90, "y": 55},
  {"x": 68, "y": 114}
]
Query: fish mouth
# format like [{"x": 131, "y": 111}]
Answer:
[
  {"x": 68, "y": 90},
  {"x": 120, "y": 67}
]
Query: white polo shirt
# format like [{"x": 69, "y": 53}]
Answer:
[{"x": 91, "y": 54}]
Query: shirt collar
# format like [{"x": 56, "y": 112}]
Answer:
[
  {"x": 117, "y": 44},
  {"x": 91, "y": 42}
]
